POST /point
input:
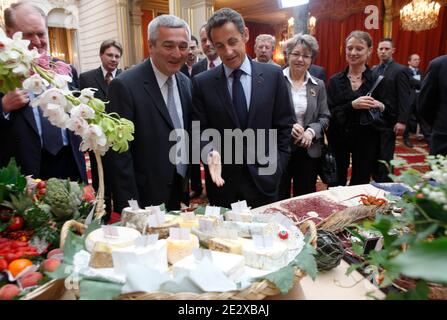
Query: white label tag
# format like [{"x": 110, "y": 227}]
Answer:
[
  {"x": 153, "y": 209},
  {"x": 110, "y": 231},
  {"x": 154, "y": 220},
  {"x": 206, "y": 225},
  {"x": 283, "y": 220},
  {"x": 212, "y": 211},
  {"x": 239, "y": 206},
  {"x": 179, "y": 233},
  {"x": 263, "y": 241},
  {"x": 200, "y": 254},
  {"x": 145, "y": 241},
  {"x": 134, "y": 205},
  {"x": 187, "y": 216},
  {"x": 226, "y": 233}
]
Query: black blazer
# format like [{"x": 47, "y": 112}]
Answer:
[
  {"x": 432, "y": 103},
  {"x": 20, "y": 138},
  {"x": 144, "y": 172},
  {"x": 269, "y": 109},
  {"x": 95, "y": 79},
  {"x": 399, "y": 93},
  {"x": 317, "y": 72},
  {"x": 199, "y": 67}
]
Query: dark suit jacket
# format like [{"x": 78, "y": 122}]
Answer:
[
  {"x": 199, "y": 67},
  {"x": 95, "y": 79},
  {"x": 317, "y": 114},
  {"x": 144, "y": 172},
  {"x": 317, "y": 72},
  {"x": 269, "y": 109},
  {"x": 184, "y": 70},
  {"x": 399, "y": 94},
  {"x": 415, "y": 84},
  {"x": 20, "y": 138},
  {"x": 432, "y": 103}
]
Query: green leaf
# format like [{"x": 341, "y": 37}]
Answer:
[
  {"x": 357, "y": 248},
  {"x": 283, "y": 278},
  {"x": 73, "y": 244},
  {"x": 426, "y": 261},
  {"x": 305, "y": 260},
  {"x": 99, "y": 290}
]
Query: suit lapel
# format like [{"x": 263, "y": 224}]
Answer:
[
  {"x": 224, "y": 95},
  {"x": 99, "y": 78},
  {"x": 312, "y": 93},
  {"x": 257, "y": 84},
  {"x": 28, "y": 114},
  {"x": 154, "y": 92}
]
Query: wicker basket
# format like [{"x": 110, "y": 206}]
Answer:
[
  {"x": 437, "y": 291},
  {"x": 257, "y": 291}
]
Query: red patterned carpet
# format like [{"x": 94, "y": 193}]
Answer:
[{"x": 414, "y": 156}]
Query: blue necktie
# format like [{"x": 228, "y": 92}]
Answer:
[
  {"x": 239, "y": 101},
  {"x": 381, "y": 69},
  {"x": 51, "y": 135}
]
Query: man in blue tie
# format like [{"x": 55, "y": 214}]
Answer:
[
  {"x": 246, "y": 95},
  {"x": 40, "y": 149}
]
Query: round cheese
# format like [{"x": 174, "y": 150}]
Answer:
[{"x": 126, "y": 238}]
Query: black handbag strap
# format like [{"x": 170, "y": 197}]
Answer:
[{"x": 378, "y": 80}]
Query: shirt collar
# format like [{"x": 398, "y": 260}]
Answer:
[
  {"x": 216, "y": 62},
  {"x": 161, "y": 77},
  {"x": 104, "y": 72},
  {"x": 245, "y": 66},
  {"x": 308, "y": 77}
]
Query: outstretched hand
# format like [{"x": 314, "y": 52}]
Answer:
[{"x": 215, "y": 167}]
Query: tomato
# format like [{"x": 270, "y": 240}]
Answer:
[
  {"x": 19, "y": 244},
  {"x": 41, "y": 185},
  {"x": 16, "y": 223},
  {"x": 11, "y": 256},
  {"x": 3, "y": 264}
]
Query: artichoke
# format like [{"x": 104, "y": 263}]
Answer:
[{"x": 64, "y": 198}]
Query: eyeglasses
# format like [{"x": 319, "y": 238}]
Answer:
[{"x": 299, "y": 55}]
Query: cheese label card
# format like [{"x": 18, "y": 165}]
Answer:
[
  {"x": 200, "y": 254},
  {"x": 227, "y": 233},
  {"x": 153, "y": 209},
  {"x": 239, "y": 206},
  {"x": 188, "y": 216},
  {"x": 154, "y": 220},
  {"x": 283, "y": 220},
  {"x": 148, "y": 240},
  {"x": 212, "y": 211},
  {"x": 206, "y": 225},
  {"x": 179, "y": 233},
  {"x": 263, "y": 241},
  {"x": 134, "y": 205},
  {"x": 110, "y": 231}
]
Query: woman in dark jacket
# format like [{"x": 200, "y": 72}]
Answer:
[
  {"x": 308, "y": 95},
  {"x": 351, "y": 134}
]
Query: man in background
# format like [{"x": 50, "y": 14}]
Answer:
[
  {"x": 264, "y": 47},
  {"x": 192, "y": 57},
  {"x": 400, "y": 96},
  {"x": 110, "y": 53}
]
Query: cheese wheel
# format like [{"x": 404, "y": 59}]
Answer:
[{"x": 126, "y": 238}]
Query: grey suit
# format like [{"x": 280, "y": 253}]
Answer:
[{"x": 304, "y": 163}]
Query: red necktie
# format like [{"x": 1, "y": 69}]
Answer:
[{"x": 212, "y": 65}]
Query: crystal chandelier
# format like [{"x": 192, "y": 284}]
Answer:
[{"x": 419, "y": 15}]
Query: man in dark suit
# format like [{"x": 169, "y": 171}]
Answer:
[
  {"x": 156, "y": 97},
  {"x": 432, "y": 104},
  {"x": 41, "y": 149},
  {"x": 212, "y": 60},
  {"x": 249, "y": 96},
  {"x": 110, "y": 53},
  {"x": 317, "y": 72},
  {"x": 400, "y": 96},
  {"x": 192, "y": 57}
]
